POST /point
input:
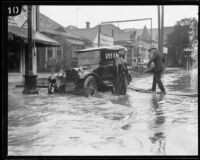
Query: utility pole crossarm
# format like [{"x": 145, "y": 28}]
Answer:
[
  {"x": 130, "y": 20},
  {"x": 108, "y": 22}
]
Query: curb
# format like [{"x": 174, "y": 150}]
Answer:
[{"x": 38, "y": 86}]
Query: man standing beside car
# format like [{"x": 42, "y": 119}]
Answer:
[
  {"x": 121, "y": 75},
  {"x": 158, "y": 61}
]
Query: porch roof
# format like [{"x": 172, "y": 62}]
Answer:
[
  {"x": 36, "y": 36},
  {"x": 107, "y": 48}
]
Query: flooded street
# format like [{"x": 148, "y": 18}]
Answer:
[{"x": 135, "y": 124}]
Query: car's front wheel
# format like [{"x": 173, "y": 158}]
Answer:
[
  {"x": 90, "y": 86},
  {"x": 52, "y": 87}
]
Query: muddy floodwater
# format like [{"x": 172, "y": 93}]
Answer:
[{"x": 135, "y": 124}]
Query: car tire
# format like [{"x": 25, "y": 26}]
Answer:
[
  {"x": 90, "y": 87},
  {"x": 52, "y": 88}
]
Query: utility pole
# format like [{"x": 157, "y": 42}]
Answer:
[
  {"x": 162, "y": 25},
  {"x": 30, "y": 44},
  {"x": 37, "y": 18},
  {"x": 151, "y": 32},
  {"x": 30, "y": 79},
  {"x": 159, "y": 28},
  {"x": 27, "y": 57},
  {"x": 99, "y": 34}
]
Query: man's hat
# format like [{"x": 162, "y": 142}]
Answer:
[{"x": 151, "y": 48}]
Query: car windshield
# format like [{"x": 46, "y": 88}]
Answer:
[{"x": 88, "y": 58}]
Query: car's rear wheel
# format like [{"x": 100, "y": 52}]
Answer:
[
  {"x": 90, "y": 86},
  {"x": 52, "y": 87}
]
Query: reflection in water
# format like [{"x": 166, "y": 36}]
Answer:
[
  {"x": 123, "y": 100},
  {"x": 194, "y": 78},
  {"x": 158, "y": 137},
  {"x": 187, "y": 81}
]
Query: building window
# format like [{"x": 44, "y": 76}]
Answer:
[
  {"x": 59, "y": 53},
  {"x": 50, "y": 52},
  {"x": 14, "y": 55}
]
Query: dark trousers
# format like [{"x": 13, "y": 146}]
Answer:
[
  {"x": 120, "y": 85},
  {"x": 157, "y": 80}
]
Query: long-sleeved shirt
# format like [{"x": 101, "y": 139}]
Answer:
[{"x": 158, "y": 60}]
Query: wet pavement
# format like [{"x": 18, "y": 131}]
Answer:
[{"x": 135, "y": 124}]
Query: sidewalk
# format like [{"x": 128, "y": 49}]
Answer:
[
  {"x": 42, "y": 80},
  {"x": 166, "y": 71}
]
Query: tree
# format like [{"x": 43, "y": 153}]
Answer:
[{"x": 179, "y": 39}]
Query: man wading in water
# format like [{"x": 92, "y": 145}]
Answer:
[{"x": 158, "y": 61}]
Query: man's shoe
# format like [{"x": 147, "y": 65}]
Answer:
[
  {"x": 151, "y": 90},
  {"x": 163, "y": 92}
]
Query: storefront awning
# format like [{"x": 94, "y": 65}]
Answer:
[{"x": 37, "y": 37}]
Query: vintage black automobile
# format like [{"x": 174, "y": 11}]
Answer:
[{"x": 94, "y": 71}]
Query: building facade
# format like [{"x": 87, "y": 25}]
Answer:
[
  {"x": 18, "y": 44},
  {"x": 107, "y": 35},
  {"x": 64, "y": 55}
]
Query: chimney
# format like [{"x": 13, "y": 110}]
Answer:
[{"x": 87, "y": 25}]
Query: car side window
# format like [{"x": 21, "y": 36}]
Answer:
[{"x": 110, "y": 56}]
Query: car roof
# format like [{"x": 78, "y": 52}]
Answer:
[{"x": 108, "y": 48}]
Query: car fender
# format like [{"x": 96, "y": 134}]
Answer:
[
  {"x": 52, "y": 78},
  {"x": 97, "y": 78}
]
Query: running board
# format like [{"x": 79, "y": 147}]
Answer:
[{"x": 108, "y": 83}]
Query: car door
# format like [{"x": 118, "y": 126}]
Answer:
[{"x": 107, "y": 67}]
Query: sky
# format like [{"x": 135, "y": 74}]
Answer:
[{"x": 78, "y": 15}]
